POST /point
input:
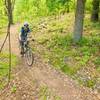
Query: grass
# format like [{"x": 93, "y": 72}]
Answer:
[
  {"x": 70, "y": 59},
  {"x": 14, "y": 89},
  {"x": 1, "y": 32},
  {"x": 3, "y": 21},
  {"x": 4, "y": 66},
  {"x": 97, "y": 63},
  {"x": 61, "y": 52}
]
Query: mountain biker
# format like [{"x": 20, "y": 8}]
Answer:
[{"x": 25, "y": 30}]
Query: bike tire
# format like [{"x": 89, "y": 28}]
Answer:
[{"x": 29, "y": 57}]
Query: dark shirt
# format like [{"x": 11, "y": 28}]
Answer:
[{"x": 24, "y": 32}]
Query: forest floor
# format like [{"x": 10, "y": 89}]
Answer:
[{"x": 41, "y": 81}]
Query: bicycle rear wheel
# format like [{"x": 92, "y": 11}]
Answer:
[{"x": 29, "y": 57}]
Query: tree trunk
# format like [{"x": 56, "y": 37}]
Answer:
[
  {"x": 11, "y": 16},
  {"x": 95, "y": 11},
  {"x": 9, "y": 10},
  {"x": 68, "y": 6},
  {"x": 79, "y": 19}
]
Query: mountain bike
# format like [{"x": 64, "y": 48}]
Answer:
[{"x": 26, "y": 51}]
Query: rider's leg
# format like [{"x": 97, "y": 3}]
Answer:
[{"x": 21, "y": 45}]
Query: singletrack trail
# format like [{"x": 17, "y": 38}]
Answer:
[{"x": 29, "y": 80}]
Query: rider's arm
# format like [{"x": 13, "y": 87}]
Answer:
[
  {"x": 28, "y": 30},
  {"x": 22, "y": 30}
]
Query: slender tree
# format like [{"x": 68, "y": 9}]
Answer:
[
  {"x": 9, "y": 12},
  {"x": 79, "y": 19},
  {"x": 95, "y": 10},
  {"x": 8, "y": 6},
  {"x": 11, "y": 4}
]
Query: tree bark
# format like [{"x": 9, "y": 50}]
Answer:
[
  {"x": 95, "y": 11},
  {"x": 11, "y": 16},
  {"x": 10, "y": 7},
  {"x": 79, "y": 19},
  {"x": 9, "y": 12}
]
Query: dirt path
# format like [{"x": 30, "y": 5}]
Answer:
[{"x": 29, "y": 80}]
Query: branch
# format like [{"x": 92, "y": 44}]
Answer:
[
  {"x": 5, "y": 1},
  {"x": 4, "y": 43},
  {"x": 13, "y": 4}
]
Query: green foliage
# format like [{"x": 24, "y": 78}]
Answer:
[
  {"x": 61, "y": 41},
  {"x": 90, "y": 83},
  {"x": 56, "y": 6},
  {"x": 14, "y": 89},
  {"x": 64, "y": 55},
  {"x": 1, "y": 32},
  {"x": 97, "y": 63},
  {"x": 89, "y": 6},
  {"x": 29, "y": 9},
  {"x": 3, "y": 18},
  {"x": 62, "y": 49},
  {"x": 4, "y": 65},
  {"x": 84, "y": 41},
  {"x": 59, "y": 46},
  {"x": 68, "y": 70}
]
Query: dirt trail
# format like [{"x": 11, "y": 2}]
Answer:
[{"x": 28, "y": 80}]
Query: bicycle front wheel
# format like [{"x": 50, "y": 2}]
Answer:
[{"x": 29, "y": 57}]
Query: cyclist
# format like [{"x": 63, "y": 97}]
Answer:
[{"x": 25, "y": 30}]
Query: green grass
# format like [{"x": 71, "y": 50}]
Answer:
[
  {"x": 4, "y": 66},
  {"x": 97, "y": 63},
  {"x": 64, "y": 44},
  {"x": 70, "y": 59},
  {"x": 1, "y": 32},
  {"x": 13, "y": 89},
  {"x": 3, "y": 21},
  {"x": 63, "y": 54}
]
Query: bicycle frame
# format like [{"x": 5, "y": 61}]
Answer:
[
  {"x": 27, "y": 52},
  {"x": 25, "y": 46}
]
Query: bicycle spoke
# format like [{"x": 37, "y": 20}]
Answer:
[{"x": 29, "y": 57}]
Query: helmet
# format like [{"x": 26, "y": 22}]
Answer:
[{"x": 26, "y": 24}]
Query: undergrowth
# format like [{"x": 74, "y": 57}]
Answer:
[
  {"x": 73, "y": 59},
  {"x": 4, "y": 67}
]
